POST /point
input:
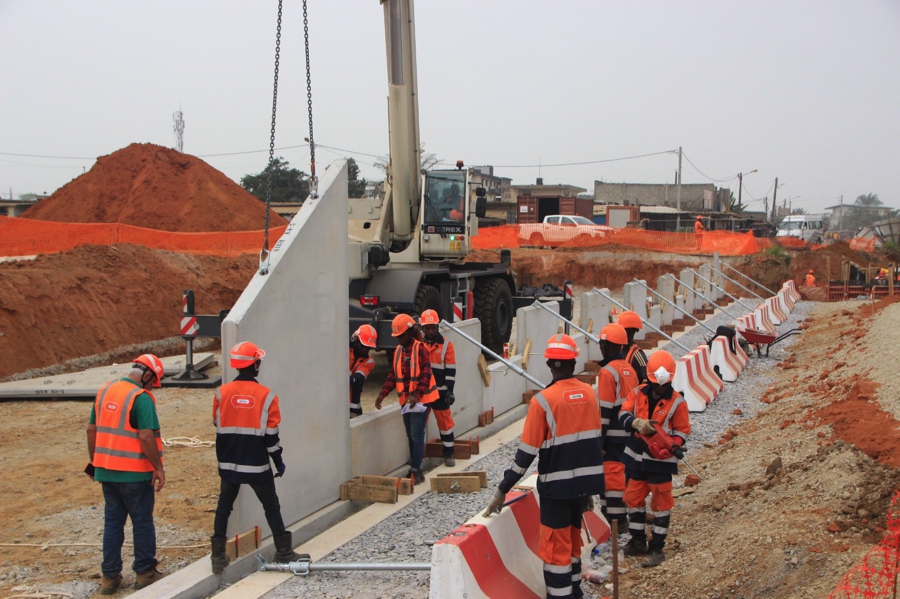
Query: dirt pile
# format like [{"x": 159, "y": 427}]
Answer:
[
  {"x": 95, "y": 298},
  {"x": 150, "y": 186}
]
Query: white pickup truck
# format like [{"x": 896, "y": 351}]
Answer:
[{"x": 559, "y": 229}]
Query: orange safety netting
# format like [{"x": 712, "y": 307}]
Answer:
[
  {"x": 875, "y": 575},
  {"x": 24, "y": 237},
  {"x": 791, "y": 242},
  {"x": 724, "y": 242},
  {"x": 861, "y": 244}
]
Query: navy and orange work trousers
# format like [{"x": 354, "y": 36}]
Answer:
[
  {"x": 560, "y": 546},
  {"x": 659, "y": 487}
]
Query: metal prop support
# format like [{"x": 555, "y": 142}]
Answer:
[
  {"x": 706, "y": 299},
  {"x": 567, "y": 321},
  {"x": 682, "y": 310},
  {"x": 488, "y": 351},
  {"x": 649, "y": 324},
  {"x": 702, "y": 278},
  {"x": 748, "y": 278},
  {"x": 304, "y": 567},
  {"x": 729, "y": 279}
]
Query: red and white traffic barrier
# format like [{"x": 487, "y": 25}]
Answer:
[
  {"x": 696, "y": 380},
  {"x": 730, "y": 363},
  {"x": 786, "y": 299},
  {"x": 496, "y": 557},
  {"x": 763, "y": 322},
  {"x": 791, "y": 286},
  {"x": 776, "y": 310},
  {"x": 747, "y": 321}
]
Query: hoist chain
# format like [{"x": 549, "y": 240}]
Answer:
[
  {"x": 264, "y": 254},
  {"x": 313, "y": 180}
]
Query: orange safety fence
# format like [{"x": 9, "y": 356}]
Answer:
[
  {"x": 26, "y": 237},
  {"x": 724, "y": 242},
  {"x": 875, "y": 575},
  {"x": 791, "y": 242},
  {"x": 861, "y": 244}
]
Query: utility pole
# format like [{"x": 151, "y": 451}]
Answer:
[
  {"x": 678, "y": 193},
  {"x": 740, "y": 186},
  {"x": 840, "y": 220},
  {"x": 774, "y": 200},
  {"x": 179, "y": 130}
]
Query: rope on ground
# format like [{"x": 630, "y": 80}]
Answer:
[
  {"x": 187, "y": 442},
  {"x": 41, "y": 595},
  {"x": 43, "y": 545}
]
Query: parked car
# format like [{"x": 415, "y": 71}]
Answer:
[{"x": 559, "y": 229}]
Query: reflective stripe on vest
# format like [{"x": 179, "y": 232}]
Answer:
[
  {"x": 403, "y": 384},
  {"x": 118, "y": 446}
]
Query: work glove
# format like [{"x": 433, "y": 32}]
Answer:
[
  {"x": 450, "y": 399},
  {"x": 280, "y": 467},
  {"x": 496, "y": 503},
  {"x": 645, "y": 427}
]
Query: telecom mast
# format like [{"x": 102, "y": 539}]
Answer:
[{"x": 179, "y": 130}]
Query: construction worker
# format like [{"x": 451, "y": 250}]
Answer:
[
  {"x": 810, "y": 278},
  {"x": 563, "y": 430},
  {"x": 698, "y": 225},
  {"x": 443, "y": 368},
  {"x": 655, "y": 403},
  {"x": 125, "y": 450},
  {"x": 247, "y": 415},
  {"x": 615, "y": 381},
  {"x": 635, "y": 356},
  {"x": 416, "y": 388},
  {"x": 361, "y": 364}
]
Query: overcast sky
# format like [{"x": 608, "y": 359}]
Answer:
[{"x": 806, "y": 91}]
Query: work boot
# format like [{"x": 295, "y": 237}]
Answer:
[
  {"x": 284, "y": 550},
  {"x": 417, "y": 475},
  {"x": 449, "y": 461},
  {"x": 219, "y": 558},
  {"x": 108, "y": 586},
  {"x": 148, "y": 577},
  {"x": 635, "y": 547},
  {"x": 654, "y": 558}
]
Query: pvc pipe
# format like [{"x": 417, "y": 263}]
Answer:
[
  {"x": 702, "y": 278},
  {"x": 748, "y": 278},
  {"x": 645, "y": 322},
  {"x": 682, "y": 310},
  {"x": 706, "y": 299},
  {"x": 509, "y": 364},
  {"x": 567, "y": 321},
  {"x": 736, "y": 283}
]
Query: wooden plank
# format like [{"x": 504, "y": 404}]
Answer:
[
  {"x": 372, "y": 493},
  {"x": 587, "y": 377},
  {"x": 475, "y": 445},
  {"x": 461, "y": 449},
  {"x": 483, "y": 370},
  {"x": 243, "y": 543},
  {"x": 592, "y": 366},
  {"x": 486, "y": 418},
  {"x": 526, "y": 354},
  {"x": 526, "y": 397},
  {"x": 512, "y": 349},
  {"x": 455, "y": 484},
  {"x": 480, "y": 474}
]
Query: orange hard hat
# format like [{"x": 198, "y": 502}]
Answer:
[
  {"x": 630, "y": 320},
  {"x": 429, "y": 317},
  {"x": 614, "y": 333},
  {"x": 367, "y": 335},
  {"x": 401, "y": 324},
  {"x": 699, "y": 217},
  {"x": 561, "y": 347},
  {"x": 661, "y": 359},
  {"x": 153, "y": 364},
  {"x": 810, "y": 271},
  {"x": 245, "y": 354}
]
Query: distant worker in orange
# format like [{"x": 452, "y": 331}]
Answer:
[
  {"x": 411, "y": 376},
  {"x": 453, "y": 207},
  {"x": 563, "y": 430},
  {"x": 361, "y": 364},
  {"x": 632, "y": 323},
  {"x": 615, "y": 381},
  {"x": 247, "y": 416},
  {"x": 649, "y": 466},
  {"x": 443, "y": 368},
  {"x": 810, "y": 279},
  {"x": 698, "y": 226}
]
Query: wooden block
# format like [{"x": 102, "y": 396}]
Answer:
[
  {"x": 373, "y": 493},
  {"x": 455, "y": 484},
  {"x": 592, "y": 366},
  {"x": 475, "y": 445},
  {"x": 480, "y": 474},
  {"x": 403, "y": 485},
  {"x": 512, "y": 349},
  {"x": 483, "y": 370},
  {"x": 587, "y": 377},
  {"x": 435, "y": 449},
  {"x": 590, "y": 327},
  {"x": 526, "y": 354},
  {"x": 243, "y": 544},
  {"x": 526, "y": 397},
  {"x": 486, "y": 418}
]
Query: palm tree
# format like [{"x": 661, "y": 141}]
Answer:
[{"x": 869, "y": 199}]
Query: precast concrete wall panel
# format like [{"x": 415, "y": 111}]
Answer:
[
  {"x": 655, "y": 317},
  {"x": 711, "y": 292},
  {"x": 691, "y": 301},
  {"x": 378, "y": 442},
  {"x": 636, "y": 299},
  {"x": 665, "y": 286},
  {"x": 594, "y": 308},
  {"x": 538, "y": 325},
  {"x": 297, "y": 315},
  {"x": 506, "y": 388},
  {"x": 682, "y": 308},
  {"x": 468, "y": 387}
]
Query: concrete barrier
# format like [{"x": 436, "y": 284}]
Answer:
[
  {"x": 686, "y": 283},
  {"x": 706, "y": 370},
  {"x": 496, "y": 557},
  {"x": 665, "y": 286},
  {"x": 635, "y": 298},
  {"x": 729, "y": 363},
  {"x": 747, "y": 321},
  {"x": 506, "y": 388},
  {"x": 695, "y": 380},
  {"x": 788, "y": 297},
  {"x": 776, "y": 310},
  {"x": 763, "y": 322},
  {"x": 538, "y": 325},
  {"x": 791, "y": 286},
  {"x": 594, "y": 309}
]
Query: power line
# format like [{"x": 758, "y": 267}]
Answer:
[
  {"x": 53, "y": 157},
  {"x": 704, "y": 174},
  {"x": 583, "y": 163}
]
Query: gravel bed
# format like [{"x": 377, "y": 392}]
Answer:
[{"x": 407, "y": 536}]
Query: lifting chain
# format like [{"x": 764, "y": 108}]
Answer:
[
  {"x": 313, "y": 180},
  {"x": 264, "y": 254}
]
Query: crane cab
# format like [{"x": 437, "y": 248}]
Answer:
[{"x": 446, "y": 219}]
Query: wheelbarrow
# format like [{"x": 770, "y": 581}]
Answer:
[{"x": 759, "y": 338}]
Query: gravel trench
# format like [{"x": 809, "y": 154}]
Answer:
[{"x": 407, "y": 536}]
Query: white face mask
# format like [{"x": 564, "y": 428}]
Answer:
[{"x": 662, "y": 376}]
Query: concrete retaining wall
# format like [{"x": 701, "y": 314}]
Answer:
[{"x": 538, "y": 325}]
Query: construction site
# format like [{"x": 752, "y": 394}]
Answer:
[{"x": 788, "y": 485}]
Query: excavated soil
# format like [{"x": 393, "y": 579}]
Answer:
[{"x": 150, "y": 186}]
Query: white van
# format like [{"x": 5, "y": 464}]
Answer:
[{"x": 808, "y": 227}]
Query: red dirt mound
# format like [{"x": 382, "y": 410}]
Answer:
[
  {"x": 150, "y": 186},
  {"x": 94, "y": 298}
]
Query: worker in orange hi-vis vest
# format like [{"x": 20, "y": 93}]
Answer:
[
  {"x": 635, "y": 356},
  {"x": 443, "y": 368},
  {"x": 615, "y": 381},
  {"x": 651, "y": 411},
  {"x": 125, "y": 448},
  {"x": 563, "y": 430},
  {"x": 810, "y": 279},
  {"x": 361, "y": 364},
  {"x": 411, "y": 376},
  {"x": 698, "y": 225},
  {"x": 247, "y": 415}
]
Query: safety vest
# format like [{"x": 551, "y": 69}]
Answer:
[
  {"x": 443, "y": 362},
  {"x": 406, "y": 385},
  {"x": 245, "y": 413},
  {"x": 362, "y": 366},
  {"x": 810, "y": 280},
  {"x": 698, "y": 227},
  {"x": 563, "y": 428},
  {"x": 117, "y": 444},
  {"x": 671, "y": 413},
  {"x": 613, "y": 388},
  {"x": 638, "y": 361}
]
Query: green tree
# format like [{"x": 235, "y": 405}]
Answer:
[
  {"x": 868, "y": 199},
  {"x": 356, "y": 187},
  {"x": 288, "y": 184},
  {"x": 860, "y": 213},
  {"x": 798, "y": 211}
]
